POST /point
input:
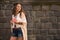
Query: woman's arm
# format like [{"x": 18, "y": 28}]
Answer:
[
  {"x": 19, "y": 23},
  {"x": 24, "y": 21}
]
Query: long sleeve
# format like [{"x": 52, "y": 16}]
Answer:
[{"x": 24, "y": 19}]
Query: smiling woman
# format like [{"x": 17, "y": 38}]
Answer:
[{"x": 18, "y": 23}]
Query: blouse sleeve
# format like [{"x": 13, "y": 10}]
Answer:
[{"x": 23, "y": 19}]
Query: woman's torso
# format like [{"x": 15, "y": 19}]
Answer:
[{"x": 18, "y": 18}]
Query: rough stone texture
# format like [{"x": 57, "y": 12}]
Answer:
[
  {"x": 43, "y": 20},
  {"x": 41, "y": 0}
]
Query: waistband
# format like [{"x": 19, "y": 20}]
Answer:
[{"x": 16, "y": 28}]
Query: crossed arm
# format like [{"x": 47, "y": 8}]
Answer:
[{"x": 23, "y": 22}]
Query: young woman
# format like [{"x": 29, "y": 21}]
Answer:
[{"x": 18, "y": 23}]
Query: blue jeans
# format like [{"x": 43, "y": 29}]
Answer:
[{"x": 17, "y": 32}]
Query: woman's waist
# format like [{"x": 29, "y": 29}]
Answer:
[{"x": 16, "y": 26}]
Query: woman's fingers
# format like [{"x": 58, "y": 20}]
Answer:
[{"x": 14, "y": 20}]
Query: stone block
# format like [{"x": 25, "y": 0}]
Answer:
[
  {"x": 52, "y": 32},
  {"x": 50, "y": 37},
  {"x": 1, "y": 25},
  {"x": 57, "y": 13},
  {"x": 3, "y": 20},
  {"x": 40, "y": 14},
  {"x": 53, "y": 19},
  {"x": 54, "y": 26},
  {"x": 58, "y": 19},
  {"x": 27, "y": 7},
  {"x": 41, "y": 37},
  {"x": 58, "y": 25},
  {"x": 46, "y": 25},
  {"x": 58, "y": 32},
  {"x": 57, "y": 37},
  {"x": 36, "y": 8},
  {"x": 45, "y": 7},
  {"x": 36, "y": 31},
  {"x": 50, "y": 13},
  {"x": 2, "y": 13},
  {"x": 32, "y": 37},
  {"x": 45, "y": 19},
  {"x": 43, "y": 32},
  {"x": 5, "y": 34},
  {"x": 7, "y": 25},
  {"x": 7, "y": 6},
  {"x": 8, "y": 12},
  {"x": 33, "y": 14},
  {"x": 55, "y": 7}
]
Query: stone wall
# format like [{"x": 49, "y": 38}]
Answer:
[{"x": 43, "y": 19}]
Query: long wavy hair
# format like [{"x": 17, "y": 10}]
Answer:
[{"x": 14, "y": 9}]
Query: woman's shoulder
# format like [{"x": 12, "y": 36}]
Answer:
[{"x": 23, "y": 14}]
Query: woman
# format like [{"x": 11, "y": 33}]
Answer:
[{"x": 18, "y": 23}]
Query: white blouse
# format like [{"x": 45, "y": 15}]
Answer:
[{"x": 18, "y": 20}]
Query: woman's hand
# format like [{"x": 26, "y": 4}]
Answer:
[
  {"x": 16, "y": 21},
  {"x": 13, "y": 20}
]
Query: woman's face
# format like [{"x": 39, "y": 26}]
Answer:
[{"x": 18, "y": 7}]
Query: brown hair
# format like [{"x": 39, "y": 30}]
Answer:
[{"x": 14, "y": 9}]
